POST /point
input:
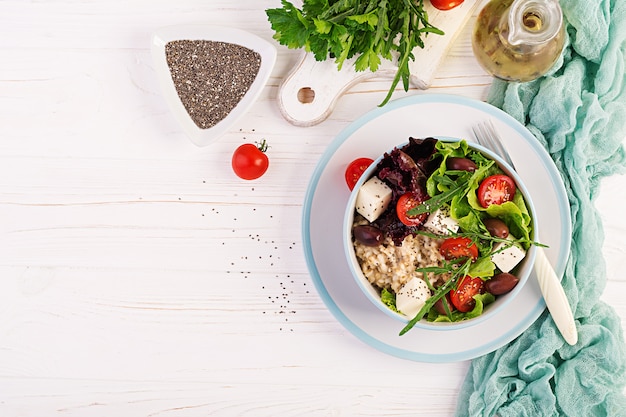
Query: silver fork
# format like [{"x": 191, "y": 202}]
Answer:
[{"x": 550, "y": 284}]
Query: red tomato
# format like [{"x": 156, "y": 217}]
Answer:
[
  {"x": 445, "y": 4},
  {"x": 405, "y": 203},
  {"x": 355, "y": 170},
  {"x": 249, "y": 161},
  {"x": 462, "y": 296},
  {"x": 496, "y": 189},
  {"x": 458, "y": 247}
]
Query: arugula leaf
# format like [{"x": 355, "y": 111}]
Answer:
[
  {"x": 437, "y": 201},
  {"x": 371, "y": 30}
]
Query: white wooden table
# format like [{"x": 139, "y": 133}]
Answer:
[{"x": 139, "y": 276}]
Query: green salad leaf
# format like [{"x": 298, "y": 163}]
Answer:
[
  {"x": 483, "y": 267},
  {"x": 388, "y": 298}
]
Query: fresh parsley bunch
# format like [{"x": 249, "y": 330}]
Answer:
[{"x": 367, "y": 29}]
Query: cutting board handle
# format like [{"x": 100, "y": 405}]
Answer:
[{"x": 308, "y": 94}]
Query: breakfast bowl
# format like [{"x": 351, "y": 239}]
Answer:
[{"x": 439, "y": 233}]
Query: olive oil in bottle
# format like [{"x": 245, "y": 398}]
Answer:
[{"x": 519, "y": 40}]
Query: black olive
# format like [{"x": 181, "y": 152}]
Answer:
[
  {"x": 460, "y": 164},
  {"x": 501, "y": 283},
  {"x": 368, "y": 235},
  {"x": 439, "y": 305},
  {"x": 496, "y": 228}
]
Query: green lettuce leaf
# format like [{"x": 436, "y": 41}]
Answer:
[{"x": 389, "y": 299}]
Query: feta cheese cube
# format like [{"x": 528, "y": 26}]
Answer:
[
  {"x": 412, "y": 297},
  {"x": 440, "y": 222},
  {"x": 507, "y": 258},
  {"x": 373, "y": 198}
]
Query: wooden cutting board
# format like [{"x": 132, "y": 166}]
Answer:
[{"x": 309, "y": 92}]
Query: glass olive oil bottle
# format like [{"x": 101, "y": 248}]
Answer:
[{"x": 519, "y": 40}]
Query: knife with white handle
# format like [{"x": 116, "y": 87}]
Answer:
[{"x": 555, "y": 297}]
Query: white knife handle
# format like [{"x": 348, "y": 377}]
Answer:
[{"x": 555, "y": 298}]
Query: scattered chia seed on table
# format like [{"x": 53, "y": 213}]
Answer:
[{"x": 211, "y": 77}]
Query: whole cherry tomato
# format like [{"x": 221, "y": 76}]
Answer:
[
  {"x": 463, "y": 296},
  {"x": 405, "y": 203},
  {"x": 250, "y": 161},
  {"x": 496, "y": 189},
  {"x": 445, "y": 4},
  {"x": 458, "y": 247},
  {"x": 355, "y": 170}
]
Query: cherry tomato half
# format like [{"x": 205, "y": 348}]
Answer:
[
  {"x": 355, "y": 170},
  {"x": 458, "y": 247},
  {"x": 405, "y": 203},
  {"x": 249, "y": 161},
  {"x": 496, "y": 189},
  {"x": 463, "y": 296},
  {"x": 445, "y": 4}
]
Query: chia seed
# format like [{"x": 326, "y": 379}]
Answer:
[{"x": 211, "y": 77}]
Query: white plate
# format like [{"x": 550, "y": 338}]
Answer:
[
  {"x": 161, "y": 37},
  {"x": 371, "y": 135}
]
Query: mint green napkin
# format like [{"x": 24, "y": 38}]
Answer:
[{"x": 578, "y": 113}]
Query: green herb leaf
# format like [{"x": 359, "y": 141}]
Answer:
[
  {"x": 290, "y": 25},
  {"x": 323, "y": 27},
  {"x": 367, "y": 60},
  {"x": 370, "y": 19}
]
